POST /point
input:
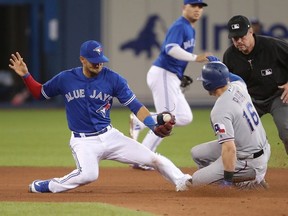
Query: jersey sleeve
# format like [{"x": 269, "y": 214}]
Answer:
[
  {"x": 222, "y": 124},
  {"x": 126, "y": 96},
  {"x": 282, "y": 52},
  {"x": 52, "y": 87},
  {"x": 174, "y": 37}
]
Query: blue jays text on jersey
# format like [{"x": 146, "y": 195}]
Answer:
[
  {"x": 80, "y": 93},
  {"x": 88, "y": 100}
]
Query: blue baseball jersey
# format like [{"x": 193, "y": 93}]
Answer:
[
  {"x": 182, "y": 33},
  {"x": 88, "y": 100}
]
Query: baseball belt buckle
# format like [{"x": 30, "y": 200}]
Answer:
[{"x": 82, "y": 135}]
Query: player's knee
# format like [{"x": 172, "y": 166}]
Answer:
[
  {"x": 197, "y": 157},
  {"x": 182, "y": 120},
  {"x": 189, "y": 119},
  {"x": 285, "y": 142},
  {"x": 158, "y": 161},
  {"x": 88, "y": 176},
  {"x": 194, "y": 154},
  {"x": 283, "y": 134}
]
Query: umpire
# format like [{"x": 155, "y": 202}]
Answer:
[{"x": 262, "y": 62}]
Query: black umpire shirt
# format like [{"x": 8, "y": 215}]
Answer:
[{"x": 264, "y": 69}]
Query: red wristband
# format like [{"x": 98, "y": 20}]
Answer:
[{"x": 33, "y": 86}]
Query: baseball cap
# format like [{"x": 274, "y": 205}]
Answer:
[
  {"x": 93, "y": 52},
  {"x": 195, "y": 2},
  {"x": 238, "y": 26}
]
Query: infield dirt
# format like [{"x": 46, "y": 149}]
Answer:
[{"x": 149, "y": 191}]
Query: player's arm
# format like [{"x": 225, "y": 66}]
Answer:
[
  {"x": 19, "y": 66},
  {"x": 143, "y": 114},
  {"x": 228, "y": 159},
  {"x": 177, "y": 52}
]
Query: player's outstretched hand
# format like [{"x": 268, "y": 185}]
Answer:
[
  {"x": 212, "y": 58},
  {"x": 165, "y": 124},
  {"x": 203, "y": 57},
  {"x": 18, "y": 65}
]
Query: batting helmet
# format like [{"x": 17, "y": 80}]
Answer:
[{"x": 214, "y": 75}]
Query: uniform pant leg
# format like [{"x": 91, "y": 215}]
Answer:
[
  {"x": 279, "y": 112},
  {"x": 167, "y": 96},
  {"x": 206, "y": 153},
  {"x": 260, "y": 166},
  {"x": 126, "y": 150},
  {"x": 87, "y": 153},
  {"x": 215, "y": 172}
]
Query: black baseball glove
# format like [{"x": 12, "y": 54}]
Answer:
[
  {"x": 163, "y": 128},
  {"x": 186, "y": 81}
]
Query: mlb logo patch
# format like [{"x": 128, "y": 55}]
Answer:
[
  {"x": 266, "y": 72},
  {"x": 235, "y": 26},
  {"x": 219, "y": 128}
]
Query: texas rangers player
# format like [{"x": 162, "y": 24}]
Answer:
[
  {"x": 242, "y": 151},
  {"x": 165, "y": 75},
  {"x": 88, "y": 93}
]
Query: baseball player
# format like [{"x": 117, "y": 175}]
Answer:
[
  {"x": 88, "y": 93},
  {"x": 242, "y": 151},
  {"x": 261, "y": 61},
  {"x": 165, "y": 75}
]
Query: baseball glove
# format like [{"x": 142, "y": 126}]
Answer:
[
  {"x": 163, "y": 128},
  {"x": 186, "y": 81}
]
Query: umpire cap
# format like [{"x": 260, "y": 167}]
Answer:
[
  {"x": 214, "y": 75},
  {"x": 238, "y": 26},
  {"x": 93, "y": 52}
]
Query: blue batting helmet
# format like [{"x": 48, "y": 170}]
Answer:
[{"x": 214, "y": 75}]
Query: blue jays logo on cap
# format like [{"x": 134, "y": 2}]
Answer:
[
  {"x": 93, "y": 52},
  {"x": 195, "y": 2},
  {"x": 98, "y": 50}
]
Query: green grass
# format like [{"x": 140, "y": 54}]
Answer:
[
  {"x": 71, "y": 209},
  {"x": 41, "y": 137}
]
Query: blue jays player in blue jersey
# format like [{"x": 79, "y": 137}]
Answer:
[
  {"x": 88, "y": 93},
  {"x": 165, "y": 75}
]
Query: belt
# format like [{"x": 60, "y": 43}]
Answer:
[
  {"x": 253, "y": 156},
  {"x": 104, "y": 130},
  {"x": 258, "y": 154}
]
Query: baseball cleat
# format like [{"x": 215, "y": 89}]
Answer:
[
  {"x": 135, "y": 126},
  {"x": 184, "y": 183},
  {"x": 264, "y": 184},
  {"x": 252, "y": 185},
  {"x": 142, "y": 167},
  {"x": 39, "y": 186}
]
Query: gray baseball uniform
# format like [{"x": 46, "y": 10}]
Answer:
[{"x": 234, "y": 118}]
